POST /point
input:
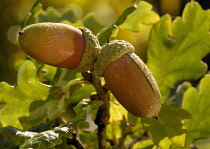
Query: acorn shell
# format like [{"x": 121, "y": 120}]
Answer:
[
  {"x": 129, "y": 80},
  {"x": 60, "y": 45},
  {"x": 55, "y": 44}
]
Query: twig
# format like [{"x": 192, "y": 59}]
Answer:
[
  {"x": 76, "y": 142},
  {"x": 103, "y": 112}
]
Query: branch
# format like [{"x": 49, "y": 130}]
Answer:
[
  {"x": 103, "y": 112},
  {"x": 76, "y": 141}
]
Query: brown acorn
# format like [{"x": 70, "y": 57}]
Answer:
[
  {"x": 60, "y": 45},
  {"x": 129, "y": 79}
]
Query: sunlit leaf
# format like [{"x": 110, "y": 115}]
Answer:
[
  {"x": 83, "y": 108},
  {"x": 116, "y": 111},
  {"x": 176, "y": 48},
  {"x": 46, "y": 74},
  {"x": 16, "y": 100},
  {"x": 106, "y": 33},
  {"x": 147, "y": 144},
  {"x": 197, "y": 102},
  {"x": 142, "y": 15},
  {"x": 27, "y": 103},
  {"x": 168, "y": 129},
  {"x": 113, "y": 147},
  {"x": 46, "y": 139}
]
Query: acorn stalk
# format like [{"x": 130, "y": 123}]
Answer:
[
  {"x": 60, "y": 45},
  {"x": 129, "y": 79}
]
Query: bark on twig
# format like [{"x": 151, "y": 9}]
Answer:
[
  {"x": 103, "y": 112},
  {"x": 76, "y": 142}
]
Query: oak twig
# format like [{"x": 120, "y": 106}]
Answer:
[
  {"x": 76, "y": 142},
  {"x": 103, "y": 112}
]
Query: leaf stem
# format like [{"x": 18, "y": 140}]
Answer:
[{"x": 103, "y": 112}]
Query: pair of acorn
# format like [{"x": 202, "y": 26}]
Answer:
[{"x": 125, "y": 74}]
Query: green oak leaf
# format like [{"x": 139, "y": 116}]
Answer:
[
  {"x": 168, "y": 129},
  {"x": 46, "y": 139},
  {"x": 146, "y": 144},
  {"x": 208, "y": 11},
  {"x": 142, "y": 15},
  {"x": 113, "y": 147},
  {"x": 82, "y": 109},
  {"x": 6, "y": 143},
  {"x": 15, "y": 101},
  {"x": 88, "y": 21},
  {"x": 176, "y": 49},
  {"x": 60, "y": 96},
  {"x": 82, "y": 93},
  {"x": 17, "y": 136},
  {"x": 50, "y": 15},
  {"x": 62, "y": 77},
  {"x": 37, "y": 15},
  {"x": 176, "y": 99},
  {"x": 29, "y": 139},
  {"x": 106, "y": 33},
  {"x": 28, "y": 102},
  {"x": 69, "y": 14},
  {"x": 31, "y": 17},
  {"x": 197, "y": 102},
  {"x": 88, "y": 138},
  {"x": 114, "y": 131}
]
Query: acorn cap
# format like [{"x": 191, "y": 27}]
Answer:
[
  {"x": 92, "y": 48},
  {"x": 111, "y": 52}
]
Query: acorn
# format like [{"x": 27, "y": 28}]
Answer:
[
  {"x": 60, "y": 45},
  {"x": 129, "y": 79}
]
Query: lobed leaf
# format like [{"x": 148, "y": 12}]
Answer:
[
  {"x": 17, "y": 136},
  {"x": 176, "y": 48},
  {"x": 142, "y": 15},
  {"x": 46, "y": 139},
  {"x": 28, "y": 139},
  {"x": 27, "y": 103},
  {"x": 83, "y": 108},
  {"x": 168, "y": 129},
  {"x": 197, "y": 102},
  {"x": 16, "y": 100},
  {"x": 130, "y": 19},
  {"x": 38, "y": 15}
]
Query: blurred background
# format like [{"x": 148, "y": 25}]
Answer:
[{"x": 13, "y": 12}]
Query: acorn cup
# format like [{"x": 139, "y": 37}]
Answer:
[
  {"x": 60, "y": 45},
  {"x": 129, "y": 79}
]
